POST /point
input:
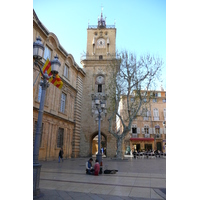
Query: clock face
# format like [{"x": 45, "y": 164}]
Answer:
[
  {"x": 100, "y": 79},
  {"x": 101, "y": 43}
]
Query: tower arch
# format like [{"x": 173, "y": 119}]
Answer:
[{"x": 94, "y": 144}]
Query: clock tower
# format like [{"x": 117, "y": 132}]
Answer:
[{"x": 101, "y": 51}]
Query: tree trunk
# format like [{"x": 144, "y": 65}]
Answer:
[{"x": 119, "y": 148}]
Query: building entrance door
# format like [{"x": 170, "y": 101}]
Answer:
[
  {"x": 159, "y": 147},
  {"x": 138, "y": 147}
]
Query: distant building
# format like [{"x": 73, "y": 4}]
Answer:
[{"x": 148, "y": 130}]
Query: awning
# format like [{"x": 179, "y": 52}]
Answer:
[{"x": 142, "y": 139}]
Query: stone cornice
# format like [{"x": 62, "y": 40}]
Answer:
[{"x": 56, "y": 116}]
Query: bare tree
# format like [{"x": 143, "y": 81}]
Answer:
[{"x": 130, "y": 78}]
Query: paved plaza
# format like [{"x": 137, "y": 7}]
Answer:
[{"x": 135, "y": 179}]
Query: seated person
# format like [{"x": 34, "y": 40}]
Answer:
[
  {"x": 89, "y": 168},
  {"x": 96, "y": 168}
]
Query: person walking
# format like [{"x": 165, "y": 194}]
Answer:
[{"x": 60, "y": 156}]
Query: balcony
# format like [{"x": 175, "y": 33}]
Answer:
[
  {"x": 146, "y": 118},
  {"x": 134, "y": 135},
  {"x": 156, "y": 118},
  {"x": 158, "y": 136}
]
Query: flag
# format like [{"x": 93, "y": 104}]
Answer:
[
  {"x": 47, "y": 67},
  {"x": 55, "y": 81}
]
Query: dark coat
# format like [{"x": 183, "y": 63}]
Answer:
[{"x": 61, "y": 153}]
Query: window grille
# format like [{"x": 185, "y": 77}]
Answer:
[
  {"x": 60, "y": 137},
  {"x": 99, "y": 88}
]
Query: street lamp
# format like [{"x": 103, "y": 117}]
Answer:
[
  {"x": 38, "y": 49},
  {"x": 100, "y": 106},
  {"x": 164, "y": 125}
]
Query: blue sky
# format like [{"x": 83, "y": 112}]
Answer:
[{"x": 140, "y": 24}]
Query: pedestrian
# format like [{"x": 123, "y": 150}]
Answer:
[
  {"x": 96, "y": 168},
  {"x": 89, "y": 168},
  {"x": 60, "y": 156}
]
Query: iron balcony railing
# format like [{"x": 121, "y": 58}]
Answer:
[
  {"x": 134, "y": 135},
  {"x": 96, "y": 26},
  {"x": 100, "y": 57}
]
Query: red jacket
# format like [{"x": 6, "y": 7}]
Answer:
[{"x": 96, "y": 169}]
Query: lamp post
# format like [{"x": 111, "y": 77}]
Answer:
[
  {"x": 38, "y": 49},
  {"x": 164, "y": 125},
  {"x": 100, "y": 106}
]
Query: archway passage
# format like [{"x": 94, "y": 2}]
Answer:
[{"x": 95, "y": 145}]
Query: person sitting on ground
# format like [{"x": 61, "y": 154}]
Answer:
[
  {"x": 96, "y": 168},
  {"x": 89, "y": 168}
]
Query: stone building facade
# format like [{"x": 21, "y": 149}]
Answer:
[
  {"x": 101, "y": 51},
  {"x": 61, "y": 123},
  {"x": 148, "y": 130}
]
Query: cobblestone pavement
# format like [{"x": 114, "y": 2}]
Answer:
[{"x": 136, "y": 179}]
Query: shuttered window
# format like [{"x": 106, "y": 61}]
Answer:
[
  {"x": 155, "y": 112},
  {"x": 134, "y": 130},
  {"x": 146, "y": 129},
  {"x": 60, "y": 137}
]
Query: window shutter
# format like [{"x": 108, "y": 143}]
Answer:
[
  {"x": 161, "y": 131},
  {"x": 150, "y": 130},
  {"x": 142, "y": 130},
  {"x": 164, "y": 131},
  {"x": 154, "y": 131},
  {"x": 60, "y": 137},
  {"x": 138, "y": 130}
]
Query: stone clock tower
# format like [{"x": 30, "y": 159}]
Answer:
[{"x": 101, "y": 42}]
